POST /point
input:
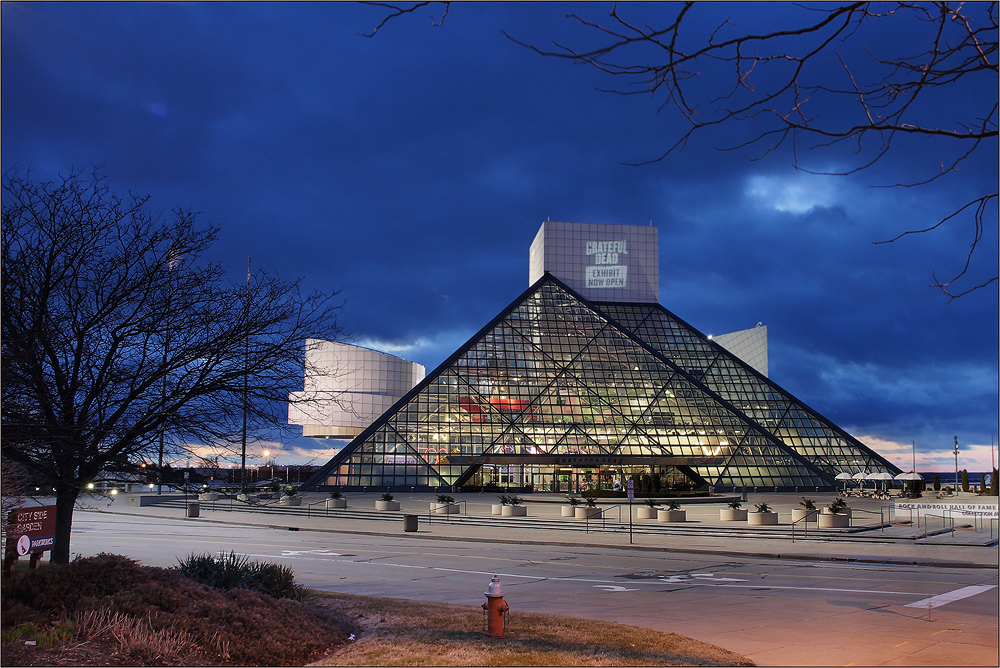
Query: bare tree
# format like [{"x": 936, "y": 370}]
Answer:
[
  {"x": 906, "y": 71},
  {"x": 13, "y": 492},
  {"x": 117, "y": 333}
]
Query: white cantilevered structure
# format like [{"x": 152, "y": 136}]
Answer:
[{"x": 346, "y": 387}]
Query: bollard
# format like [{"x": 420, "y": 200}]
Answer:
[
  {"x": 495, "y": 608},
  {"x": 409, "y": 522}
]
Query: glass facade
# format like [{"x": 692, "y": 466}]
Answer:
[{"x": 562, "y": 394}]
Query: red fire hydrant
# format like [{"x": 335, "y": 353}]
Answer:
[{"x": 495, "y": 608}]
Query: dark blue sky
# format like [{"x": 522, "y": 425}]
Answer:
[{"x": 411, "y": 171}]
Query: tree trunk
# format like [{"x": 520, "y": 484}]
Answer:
[{"x": 66, "y": 496}]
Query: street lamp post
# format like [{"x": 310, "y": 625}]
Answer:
[{"x": 956, "y": 466}]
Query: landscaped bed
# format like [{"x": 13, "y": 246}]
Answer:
[{"x": 110, "y": 611}]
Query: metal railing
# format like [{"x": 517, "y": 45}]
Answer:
[
  {"x": 812, "y": 516},
  {"x": 602, "y": 513},
  {"x": 881, "y": 517},
  {"x": 438, "y": 505}
]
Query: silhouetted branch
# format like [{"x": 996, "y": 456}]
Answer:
[
  {"x": 775, "y": 87},
  {"x": 396, "y": 11}
]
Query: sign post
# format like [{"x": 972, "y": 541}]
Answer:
[
  {"x": 30, "y": 531},
  {"x": 630, "y": 486}
]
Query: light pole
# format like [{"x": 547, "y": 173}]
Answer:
[
  {"x": 956, "y": 466},
  {"x": 267, "y": 453}
]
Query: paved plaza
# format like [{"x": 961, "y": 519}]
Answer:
[{"x": 895, "y": 593}]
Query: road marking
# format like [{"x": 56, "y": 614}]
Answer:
[
  {"x": 699, "y": 578},
  {"x": 696, "y": 579},
  {"x": 950, "y": 597}
]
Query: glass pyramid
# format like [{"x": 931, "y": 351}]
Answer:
[{"x": 557, "y": 389}]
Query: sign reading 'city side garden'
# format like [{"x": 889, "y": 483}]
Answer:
[{"x": 31, "y": 530}]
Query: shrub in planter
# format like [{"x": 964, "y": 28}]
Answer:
[
  {"x": 837, "y": 507},
  {"x": 734, "y": 513},
  {"x": 836, "y": 515},
  {"x": 570, "y": 510},
  {"x": 648, "y": 511},
  {"x": 763, "y": 516},
  {"x": 513, "y": 508},
  {"x": 587, "y": 511},
  {"x": 336, "y": 500},
  {"x": 289, "y": 498},
  {"x": 445, "y": 505},
  {"x": 387, "y": 502},
  {"x": 807, "y": 512},
  {"x": 672, "y": 513}
]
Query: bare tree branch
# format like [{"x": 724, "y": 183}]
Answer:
[
  {"x": 774, "y": 88},
  {"x": 396, "y": 11}
]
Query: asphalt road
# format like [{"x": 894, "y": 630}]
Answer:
[{"x": 777, "y": 612}]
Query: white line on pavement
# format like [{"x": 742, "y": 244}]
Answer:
[{"x": 950, "y": 596}]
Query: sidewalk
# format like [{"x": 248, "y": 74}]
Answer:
[{"x": 703, "y": 532}]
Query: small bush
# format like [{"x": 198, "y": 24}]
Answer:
[
  {"x": 763, "y": 508},
  {"x": 232, "y": 571}
]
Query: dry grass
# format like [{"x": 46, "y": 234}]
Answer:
[
  {"x": 122, "y": 613},
  {"x": 394, "y": 632},
  {"x": 110, "y": 611}
]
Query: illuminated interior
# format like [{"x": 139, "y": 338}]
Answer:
[{"x": 562, "y": 394}]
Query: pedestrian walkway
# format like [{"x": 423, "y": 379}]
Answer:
[{"x": 875, "y": 535}]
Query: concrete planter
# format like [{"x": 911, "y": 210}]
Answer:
[
  {"x": 569, "y": 511},
  {"x": 208, "y": 496},
  {"x": 646, "y": 513},
  {"x": 290, "y": 501},
  {"x": 583, "y": 512},
  {"x": 387, "y": 505},
  {"x": 336, "y": 503},
  {"x": 497, "y": 508},
  {"x": 671, "y": 516},
  {"x": 761, "y": 519},
  {"x": 831, "y": 521},
  {"x": 802, "y": 514},
  {"x": 514, "y": 511},
  {"x": 444, "y": 508},
  {"x": 846, "y": 512},
  {"x": 732, "y": 514}
]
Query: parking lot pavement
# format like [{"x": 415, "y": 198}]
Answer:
[{"x": 883, "y": 540}]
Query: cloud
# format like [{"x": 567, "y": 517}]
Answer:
[
  {"x": 797, "y": 193},
  {"x": 429, "y": 350},
  {"x": 972, "y": 457}
]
